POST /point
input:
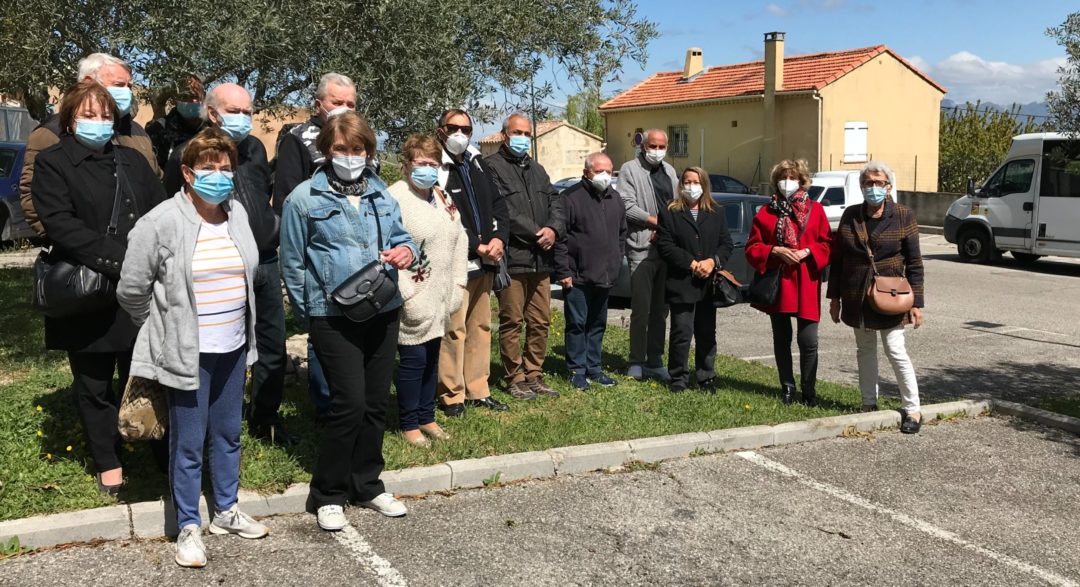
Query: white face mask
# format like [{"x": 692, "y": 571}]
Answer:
[
  {"x": 655, "y": 156},
  {"x": 337, "y": 112},
  {"x": 788, "y": 187},
  {"x": 601, "y": 181},
  {"x": 457, "y": 143},
  {"x": 349, "y": 167},
  {"x": 692, "y": 192}
]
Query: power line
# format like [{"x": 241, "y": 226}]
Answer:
[{"x": 963, "y": 108}]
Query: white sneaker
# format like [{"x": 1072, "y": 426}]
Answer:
[
  {"x": 190, "y": 551},
  {"x": 658, "y": 373},
  {"x": 331, "y": 517},
  {"x": 387, "y": 505},
  {"x": 234, "y": 521}
]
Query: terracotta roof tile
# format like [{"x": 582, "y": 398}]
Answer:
[
  {"x": 542, "y": 128},
  {"x": 801, "y": 73}
]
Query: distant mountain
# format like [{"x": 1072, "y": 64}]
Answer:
[{"x": 1040, "y": 110}]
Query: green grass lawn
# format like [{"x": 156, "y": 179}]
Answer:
[{"x": 43, "y": 455}]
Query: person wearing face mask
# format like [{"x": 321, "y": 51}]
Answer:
[
  {"x": 78, "y": 183},
  {"x": 693, "y": 239},
  {"x": 182, "y": 122},
  {"x": 188, "y": 280},
  {"x": 792, "y": 233},
  {"x": 114, "y": 75},
  {"x": 588, "y": 258},
  {"x": 433, "y": 288},
  {"x": 228, "y": 108},
  {"x": 647, "y": 185},
  {"x": 890, "y": 232},
  {"x": 298, "y": 157},
  {"x": 536, "y": 220},
  {"x": 464, "y": 364},
  {"x": 335, "y": 224}
]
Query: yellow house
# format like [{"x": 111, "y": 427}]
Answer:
[
  {"x": 836, "y": 110},
  {"x": 561, "y": 147}
]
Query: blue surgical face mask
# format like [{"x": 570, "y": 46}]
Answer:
[
  {"x": 189, "y": 110},
  {"x": 519, "y": 145},
  {"x": 122, "y": 96},
  {"x": 424, "y": 177},
  {"x": 874, "y": 195},
  {"x": 93, "y": 133},
  {"x": 213, "y": 187},
  {"x": 236, "y": 126}
]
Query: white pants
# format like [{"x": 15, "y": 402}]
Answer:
[{"x": 893, "y": 341}]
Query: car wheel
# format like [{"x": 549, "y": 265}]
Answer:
[
  {"x": 973, "y": 245},
  {"x": 5, "y": 224},
  {"x": 1025, "y": 258}
]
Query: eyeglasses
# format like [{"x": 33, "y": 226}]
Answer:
[
  {"x": 453, "y": 128},
  {"x": 875, "y": 184},
  {"x": 419, "y": 165}
]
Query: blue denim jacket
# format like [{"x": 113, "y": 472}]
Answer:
[{"x": 325, "y": 240}]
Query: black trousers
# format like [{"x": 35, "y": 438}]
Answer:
[
  {"x": 358, "y": 360},
  {"x": 97, "y": 401},
  {"x": 808, "y": 346},
  {"x": 268, "y": 373},
  {"x": 696, "y": 322}
]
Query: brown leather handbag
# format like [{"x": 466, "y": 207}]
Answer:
[{"x": 890, "y": 296}]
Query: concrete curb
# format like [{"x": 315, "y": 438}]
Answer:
[{"x": 148, "y": 520}]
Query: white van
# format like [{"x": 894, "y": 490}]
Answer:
[
  {"x": 1030, "y": 206},
  {"x": 835, "y": 191}
]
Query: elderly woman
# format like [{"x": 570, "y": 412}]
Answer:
[
  {"x": 188, "y": 280},
  {"x": 890, "y": 232},
  {"x": 433, "y": 289},
  {"x": 89, "y": 192},
  {"x": 792, "y": 234},
  {"x": 692, "y": 237},
  {"x": 333, "y": 225}
]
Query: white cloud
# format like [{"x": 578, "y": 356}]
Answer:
[
  {"x": 777, "y": 10},
  {"x": 970, "y": 77}
]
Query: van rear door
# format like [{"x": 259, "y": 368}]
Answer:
[{"x": 1059, "y": 200}]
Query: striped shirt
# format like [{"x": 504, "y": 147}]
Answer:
[{"x": 217, "y": 274}]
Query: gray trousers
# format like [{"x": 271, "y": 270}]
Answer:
[{"x": 648, "y": 312}]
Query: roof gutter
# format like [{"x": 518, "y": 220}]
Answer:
[{"x": 691, "y": 103}]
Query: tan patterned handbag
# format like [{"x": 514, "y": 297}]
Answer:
[{"x": 144, "y": 410}]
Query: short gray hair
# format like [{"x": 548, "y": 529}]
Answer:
[
  {"x": 645, "y": 135},
  {"x": 506, "y": 123},
  {"x": 92, "y": 63},
  {"x": 333, "y": 78},
  {"x": 876, "y": 166},
  {"x": 592, "y": 158}
]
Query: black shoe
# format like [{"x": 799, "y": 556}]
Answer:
[
  {"x": 454, "y": 410},
  {"x": 489, "y": 403},
  {"x": 809, "y": 397},
  {"x": 910, "y": 426},
  {"x": 787, "y": 394},
  {"x": 677, "y": 389},
  {"x": 708, "y": 386},
  {"x": 112, "y": 491},
  {"x": 274, "y": 434}
]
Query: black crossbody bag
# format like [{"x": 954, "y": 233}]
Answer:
[{"x": 365, "y": 293}]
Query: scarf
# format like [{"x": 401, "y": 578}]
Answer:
[
  {"x": 797, "y": 208},
  {"x": 346, "y": 188}
]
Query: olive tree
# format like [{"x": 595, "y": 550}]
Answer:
[{"x": 1065, "y": 103}]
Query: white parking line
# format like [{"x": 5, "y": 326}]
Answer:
[
  {"x": 385, "y": 574},
  {"x": 843, "y": 495}
]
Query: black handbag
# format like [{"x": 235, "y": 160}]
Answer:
[
  {"x": 725, "y": 289},
  {"x": 765, "y": 287},
  {"x": 365, "y": 293},
  {"x": 63, "y": 287}
]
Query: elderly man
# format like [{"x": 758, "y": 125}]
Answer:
[
  {"x": 115, "y": 75},
  {"x": 464, "y": 357},
  {"x": 297, "y": 159},
  {"x": 588, "y": 258},
  {"x": 536, "y": 220},
  {"x": 228, "y": 107},
  {"x": 647, "y": 183}
]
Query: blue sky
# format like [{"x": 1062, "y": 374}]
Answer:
[{"x": 993, "y": 50}]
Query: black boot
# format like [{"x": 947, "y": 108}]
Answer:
[
  {"x": 787, "y": 393},
  {"x": 809, "y": 395}
]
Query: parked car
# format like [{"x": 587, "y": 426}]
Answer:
[
  {"x": 835, "y": 191},
  {"x": 728, "y": 185},
  {"x": 15, "y": 127}
]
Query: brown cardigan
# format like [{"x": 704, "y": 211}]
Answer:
[{"x": 895, "y": 242}]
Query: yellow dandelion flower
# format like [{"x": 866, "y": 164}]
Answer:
[
  {"x": 40, "y": 433},
  {"x": 746, "y": 407},
  {"x": 68, "y": 448},
  {"x": 48, "y": 456},
  {"x": 38, "y": 408}
]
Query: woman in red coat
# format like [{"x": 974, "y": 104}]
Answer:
[{"x": 792, "y": 232}]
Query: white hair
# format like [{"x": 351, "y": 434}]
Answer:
[
  {"x": 645, "y": 136},
  {"x": 333, "y": 78},
  {"x": 878, "y": 167},
  {"x": 92, "y": 63},
  {"x": 592, "y": 158}
]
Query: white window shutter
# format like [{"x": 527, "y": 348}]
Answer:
[{"x": 855, "y": 149}]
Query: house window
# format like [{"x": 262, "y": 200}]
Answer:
[
  {"x": 855, "y": 142},
  {"x": 680, "y": 141}
]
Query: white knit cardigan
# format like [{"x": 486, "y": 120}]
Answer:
[{"x": 434, "y": 289}]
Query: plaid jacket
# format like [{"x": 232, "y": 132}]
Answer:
[{"x": 895, "y": 242}]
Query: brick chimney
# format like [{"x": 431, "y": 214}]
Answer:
[
  {"x": 694, "y": 64},
  {"x": 774, "y": 82}
]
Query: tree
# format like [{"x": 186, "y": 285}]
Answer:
[
  {"x": 974, "y": 140},
  {"x": 583, "y": 110},
  {"x": 1065, "y": 103},
  {"x": 411, "y": 60}
]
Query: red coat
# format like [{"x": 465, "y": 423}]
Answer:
[{"x": 800, "y": 286}]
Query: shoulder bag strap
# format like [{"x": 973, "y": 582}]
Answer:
[
  {"x": 860, "y": 230},
  {"x": 114, "y": 220},
  {"x": 378, "y": 225}
]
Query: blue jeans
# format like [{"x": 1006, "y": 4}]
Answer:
[
  {"x": 586, "y": 319},
  {"x": 214, "y": 410},
  {"x": 318, "y": 388},
  {"x": 418, "y": 367}
]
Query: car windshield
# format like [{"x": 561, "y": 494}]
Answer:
[{"x": 815, "y": 192}]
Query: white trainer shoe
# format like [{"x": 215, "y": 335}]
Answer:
[
  {"x": 331, "y": 518},
  {"x": 190, "y": 551},
  {"x": 387, "y": 505},
  {"x": 234, "y": 521}
]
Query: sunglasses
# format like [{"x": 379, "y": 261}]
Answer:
[{"x": 454, "y": 128}]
